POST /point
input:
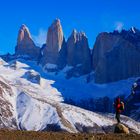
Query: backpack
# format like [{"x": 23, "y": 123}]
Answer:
[{"x": 122, "y": 106}]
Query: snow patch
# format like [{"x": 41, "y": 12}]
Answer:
[
  {"x": 133, "y": 30},
  {"x": 50, "y": 66}
]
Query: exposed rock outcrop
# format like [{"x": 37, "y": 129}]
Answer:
[
  {"x": 13, "y": 65},
  {"x": 7, "y": 118},
  {"x": 116, "y": 55},
  {"x": 55, "y": 50},
  {"x": 25, "y": 44},
  {"x": 78, "y": 53},
  {"x": 33, "y": 77}
]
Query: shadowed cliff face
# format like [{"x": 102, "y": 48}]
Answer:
[
  {"x": 78, "y": 52},
  {"x": 25, "y": 44},
  {"x": 115, "y": 56}
]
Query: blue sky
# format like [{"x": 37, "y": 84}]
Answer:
[{"x": 90, "y": 16}]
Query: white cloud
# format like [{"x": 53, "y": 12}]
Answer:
[
  {"x": 119, "y": 25},
  {"x": 40, "y": 39}
]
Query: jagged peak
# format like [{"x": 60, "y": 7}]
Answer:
[
  {"x": 78, "y": 35},
  {"x": 134, "y": 30},
  {"x": 83, "y": 33},
  {"x": 74, "y": 31},
  {"x": 56, "y": 24},
  {"x": 24, "y": 30},
  {"x": 23, "y": 33},
  {"x": 23, "y": 26},
  {"x": 57, "y": 21}
]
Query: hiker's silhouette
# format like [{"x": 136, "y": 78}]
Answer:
[{"x": 119, "y": 107}]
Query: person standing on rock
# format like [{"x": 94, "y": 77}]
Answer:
[{"x": 119, "y": 107}]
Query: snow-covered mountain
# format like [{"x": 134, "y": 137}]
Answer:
[{"x": 34, "y": 100}]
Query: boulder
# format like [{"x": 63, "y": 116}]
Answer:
[{"x": 120, "y": 128}]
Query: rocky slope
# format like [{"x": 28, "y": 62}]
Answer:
[{"x": 7, "y": 116}]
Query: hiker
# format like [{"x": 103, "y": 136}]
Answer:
[{"x": 119, "y": 107}]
